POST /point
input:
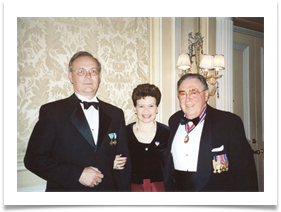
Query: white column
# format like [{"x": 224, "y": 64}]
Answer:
[
  {"x": 224, "y": 45},
  {"x": 178, "y": 51},
  {"x": 155, "y": 55}
]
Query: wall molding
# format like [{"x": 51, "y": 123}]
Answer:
[
  {"x": 20, "y": 163},
  {"x": 248, "y": 31},
  {"x": 224, "y": 45},
  {"x": 175, "y": 51},
  {"x": 246, "y": 80},
  {"x": 155, "y": 57},
  {"x": 39, "y": 188},
  {"x": 178, "y": 51},
  {"x": 262, "y": 87}
]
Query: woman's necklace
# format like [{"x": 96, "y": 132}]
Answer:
[
  {"x": 153, "y": 129},
  {"x": 144, "y": 135}
]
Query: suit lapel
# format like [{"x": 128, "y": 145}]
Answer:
[
  {"x": 174, "y": 127},
  {"x": 104, "y": 123},
  {"x": 204, "y": 166},
  {"x": 77, "y": 117}
]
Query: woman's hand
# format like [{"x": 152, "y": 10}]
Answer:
[{"x": 119, "y": 162}]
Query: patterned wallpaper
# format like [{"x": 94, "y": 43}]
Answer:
[{"x": 45, "y": 46}]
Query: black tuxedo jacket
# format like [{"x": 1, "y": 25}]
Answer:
[
  {"x": 220, "y": 129},
  {"x": 60, "y": 147}
]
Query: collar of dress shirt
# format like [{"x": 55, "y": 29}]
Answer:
[{"x": 82, "y": 98}]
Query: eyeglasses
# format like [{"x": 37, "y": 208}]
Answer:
[
  {"x": 83, "y": 72},
  {"x": 193, "y": 93}
]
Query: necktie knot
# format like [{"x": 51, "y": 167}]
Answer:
[
  {"x": 88, "y": 104},
  {"x": 185, "y": 120}
]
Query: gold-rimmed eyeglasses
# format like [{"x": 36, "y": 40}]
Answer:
[
  {"x": 83, "y": 72},
  {"x": 193, "y": 93}
]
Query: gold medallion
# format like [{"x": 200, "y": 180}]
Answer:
[
  {"x": 111, "y": 143},
  {"x": 186, "y": 138}
]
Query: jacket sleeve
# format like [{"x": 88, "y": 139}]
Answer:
[
  {"x": 242, "y": 160},
  {"x": 123, "y": 177},
  {"x": 38, "y": 158}
]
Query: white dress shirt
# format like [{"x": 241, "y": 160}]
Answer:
[
  {"x": 92, "y": 116},
  {"x": 185, "y": 155}
]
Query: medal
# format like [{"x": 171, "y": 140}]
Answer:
[
  {"x": 225, "y": 162},
  {"x": 113, "y": 137},
  {"x": 220, "y": 163},
  {"x": 215, "y": 166},
  {"x": 186, "y": 138},
  {"x": 188, "y": 128},
  {"x": 111, "y": 143}
]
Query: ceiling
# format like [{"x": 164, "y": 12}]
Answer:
[{"x": 253, "y": 23}]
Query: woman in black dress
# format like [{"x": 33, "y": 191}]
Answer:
[{"x": 147, "y": 141}]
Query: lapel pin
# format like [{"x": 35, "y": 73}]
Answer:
[{"x": 157, "y": 143}]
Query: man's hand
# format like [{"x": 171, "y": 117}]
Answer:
[{"x": 90, "y": 177}]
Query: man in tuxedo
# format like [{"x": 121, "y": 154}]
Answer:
[
  {"x": 207, "y": 149},
  {"x": 74, "y": 143}
]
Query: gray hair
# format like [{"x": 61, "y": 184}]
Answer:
[
  {"x": 80, "y": 54},
  {"x": 192, "y": 76}
]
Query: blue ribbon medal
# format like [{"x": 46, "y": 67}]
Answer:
[{"x": 113, "y": 137}]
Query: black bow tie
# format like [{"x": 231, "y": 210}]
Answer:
[
  {"x": 185, "y": 120},
  {"x": 88, "y": 104}
]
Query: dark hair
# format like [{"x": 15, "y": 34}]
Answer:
[
  {"x": 80, "y": 54},
  {"x": 191, "y": 76},
  {"x": 144, "y": 90}
]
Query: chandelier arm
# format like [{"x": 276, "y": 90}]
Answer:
[{"x": 195, "y": 49}]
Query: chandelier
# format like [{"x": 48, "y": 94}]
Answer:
[{"x": 209, "y": 65}]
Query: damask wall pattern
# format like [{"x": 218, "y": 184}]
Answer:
[{"x": 45, "y": 46}]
